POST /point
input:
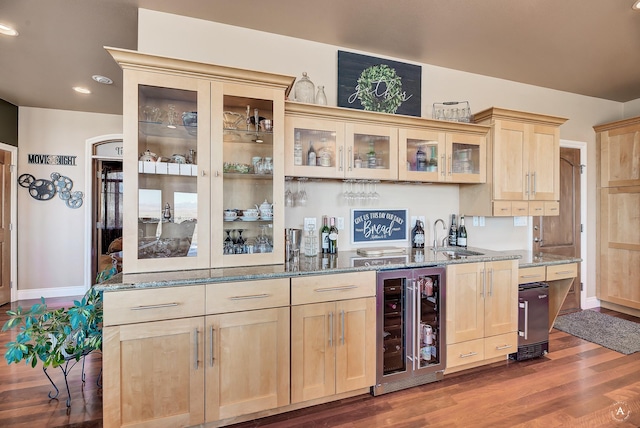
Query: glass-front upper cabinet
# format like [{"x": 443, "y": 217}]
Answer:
[
  {"x": 203, "y": 164},
  {"x": 421, "y": 155},
  {"x": 249, "y": 204},
  {"x": 439, "y": 156},
  {"x": 371, "y": 151},
  {"x": 166, "y": 172}
]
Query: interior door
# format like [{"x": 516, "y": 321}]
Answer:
[
  {"x": 561, "y": 234},
  {"x": 5, "y": 231},
  {"x": 108, "y": 213}
]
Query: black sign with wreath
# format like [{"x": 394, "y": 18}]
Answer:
[{"x": 375, "y": 84}]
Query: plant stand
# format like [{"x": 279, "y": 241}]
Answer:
[{"x": 66, "y": 368}]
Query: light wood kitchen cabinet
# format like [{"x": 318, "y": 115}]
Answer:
[
  {"x": 482, "y": 311},
  {"x": 523, "y": 172},
  {"x": 332, "y": 340},
  {"x": 618, "y": 149},
  {"x": 247, "y": 348},
  {"x": 154, "y": 370},
  {"x": 618, "y": 246},
  {"x": 190, "y": 150},
  {"x": 377, "y": 146},
  {"x": 342, "y": 149},
  {"x": 441, "y": 156}
]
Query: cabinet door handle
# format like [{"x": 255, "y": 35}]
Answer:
[
  {"x": 211, "y": 346},
  {"x": 343, "y": 288},
  {"x": 490, "y": 282},
  {"x": 530, "y": 276},
  {"x": 526, "y": 187},
  {"x": 195, "y": 362},
  {"x": 162, "y": 305},
  {"x": 202, "y": 174},
  {"x": 341, "y": 158},
  {"x": 470, "y": 354},
  {"x": 251, "y": 296},
  {"x": 330, "y": 329},
  {"x": 564, "y": 272},
  {"x": 500, "y": 348},
  {"x": 533, "y": 176},
  {"x": 442, "y": 166},
  {"x": 526, "y": 319},
  {"x": 217, "y": 174},
  {"x": 450, "y": 166},
  {"x": 483, "y": 283},
  {"x": 342, "y": 327},
  {"x": 350, "y": 163}
]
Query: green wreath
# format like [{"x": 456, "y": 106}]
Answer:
[{"x": 373, "y": 95}]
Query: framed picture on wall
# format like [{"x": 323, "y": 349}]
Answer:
[
  {"x": 379, "y": 226},
  {"x": 376, "y": 84}
]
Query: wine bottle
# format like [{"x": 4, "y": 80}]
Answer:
[
  {"x": 453, "y": 232},
  {"x": 297, "y": 150},
  {"x": 333, "y": 236},
  {"x": 418, "y": 235},
  {"x": 324, "y": 234},
  {"x": 462, "y": 234},
  {"x": 311, "y": 155}
]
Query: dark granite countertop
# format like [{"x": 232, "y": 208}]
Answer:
[{"x": 344, "y": 261}]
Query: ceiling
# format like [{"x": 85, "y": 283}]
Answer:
[{"x": 588, "y": 47}]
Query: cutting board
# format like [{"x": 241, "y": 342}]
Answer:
[{"x": 380, "y": 251}]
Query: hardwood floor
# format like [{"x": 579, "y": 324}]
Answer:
[{"x": 576, "y": 384}]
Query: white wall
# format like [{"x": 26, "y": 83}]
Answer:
[
  {"x": 51, "y": 235},
  {"x": 632, "y": 108},
  {"x": 205, "y": 41}
]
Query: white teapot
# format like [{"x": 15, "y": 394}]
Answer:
[
  {"x": 148, "y": 156},
  {"x": 266, "y": 209}
]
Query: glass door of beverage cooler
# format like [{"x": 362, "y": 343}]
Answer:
[
  {"x": 429, "y": 335},
  {"x": 395, "y": 313}
]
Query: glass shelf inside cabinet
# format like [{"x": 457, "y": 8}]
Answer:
[
  {"x": 371, "y": 151},
  {"x": 247, "y": 175},
  {"x": 465, "y": 159},
  {"x": 167, "y": 173},
  {"x": 422, "y": 155}
]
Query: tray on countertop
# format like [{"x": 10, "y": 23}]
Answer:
[{"x": 380, "y": 251}]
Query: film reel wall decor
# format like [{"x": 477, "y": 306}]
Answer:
[{"x": 42, "y": 189}]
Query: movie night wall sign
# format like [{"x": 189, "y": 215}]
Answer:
[{"x": 378, "y": 225}]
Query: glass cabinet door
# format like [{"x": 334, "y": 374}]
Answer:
[
  {"x": 466, "y": 158},
  {"x": 166, "y": 187},
  {"x": 314, "y": 148},
  {"x": 249, "y": 207},
  {"x": 371, "y": 152},
  {"x": 421, "y": 155}
]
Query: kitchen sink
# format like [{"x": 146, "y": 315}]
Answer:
[{"x": 456, "y": 253}]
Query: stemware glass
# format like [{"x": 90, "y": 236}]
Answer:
[
  {"x": 228, "y": 243},
  {"x": 288, "y": 195},
  {"x": 302, "y": 194},
  {"x": 239, "y": 245},
  {"x": 375, "y": 196}
]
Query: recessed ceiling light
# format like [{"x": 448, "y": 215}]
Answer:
[
  {"x": 7, "y": 30},
  {"x": 81, "y": 90},
  {"x": 636, "y": 5},
  {"x": 105, "y": 80}
]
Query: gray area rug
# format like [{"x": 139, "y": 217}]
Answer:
[{"x": 614, "y": 333}]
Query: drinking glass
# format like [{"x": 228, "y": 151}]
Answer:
[
  {"x": 288, "y": 195},
  {"x": 302, "y": 194}
]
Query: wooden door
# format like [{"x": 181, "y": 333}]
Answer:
[
  {"x": 544, "y": 157},
  {"x": 5, "y": 231},
  {"x": 154, "y": 374},
  {"x": 501, "y": 297},
  {"x": 356, "y": 344},
  {"x": 247, "y": 362},
  {"x": 618, "y": 166},
  {"x": 313, "y": 350},
  {"x": 465, "y": 302},
  {"x": 561, "y": 234},
  {"x": 509, "y": 168}
]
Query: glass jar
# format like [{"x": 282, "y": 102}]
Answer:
[
  {"x": 305, "y": 89},
  {"x": 321, "y": 98}
]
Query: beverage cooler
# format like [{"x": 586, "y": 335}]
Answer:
[{"x": 411, "y": 348}]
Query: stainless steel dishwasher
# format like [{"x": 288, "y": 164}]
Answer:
[{"x": 533, "y": 321}]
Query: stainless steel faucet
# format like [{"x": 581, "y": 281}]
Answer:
[{"x": 435, "y": 232}]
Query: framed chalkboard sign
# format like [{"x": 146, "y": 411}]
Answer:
[
  {"x": 376, "y": 84},
  {"x": 379, "y": 226}
]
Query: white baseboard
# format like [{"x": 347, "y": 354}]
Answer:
[
  {"x": 36, "y": 293},
  {"x": 591, "y": 302}
]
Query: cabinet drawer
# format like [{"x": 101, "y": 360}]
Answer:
[
  {"x": 502, "y": 208},
  {"x": 326, "y": 288},
  {"x": 247, "y": 295},
  {"x": 153, "y": 304},
  {"x": 467, "y": 352},
  {"x": 551, "y": 208},
  {"x": 569, "y": 270},
  {"x": 503, "y": 344},
  {"x": 531, "y": 274},
  {"x": 536, "y": 208},
  {"x": 520, "y": 208}
]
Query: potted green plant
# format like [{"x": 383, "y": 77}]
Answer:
[{"x": 55, "y": 336}]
